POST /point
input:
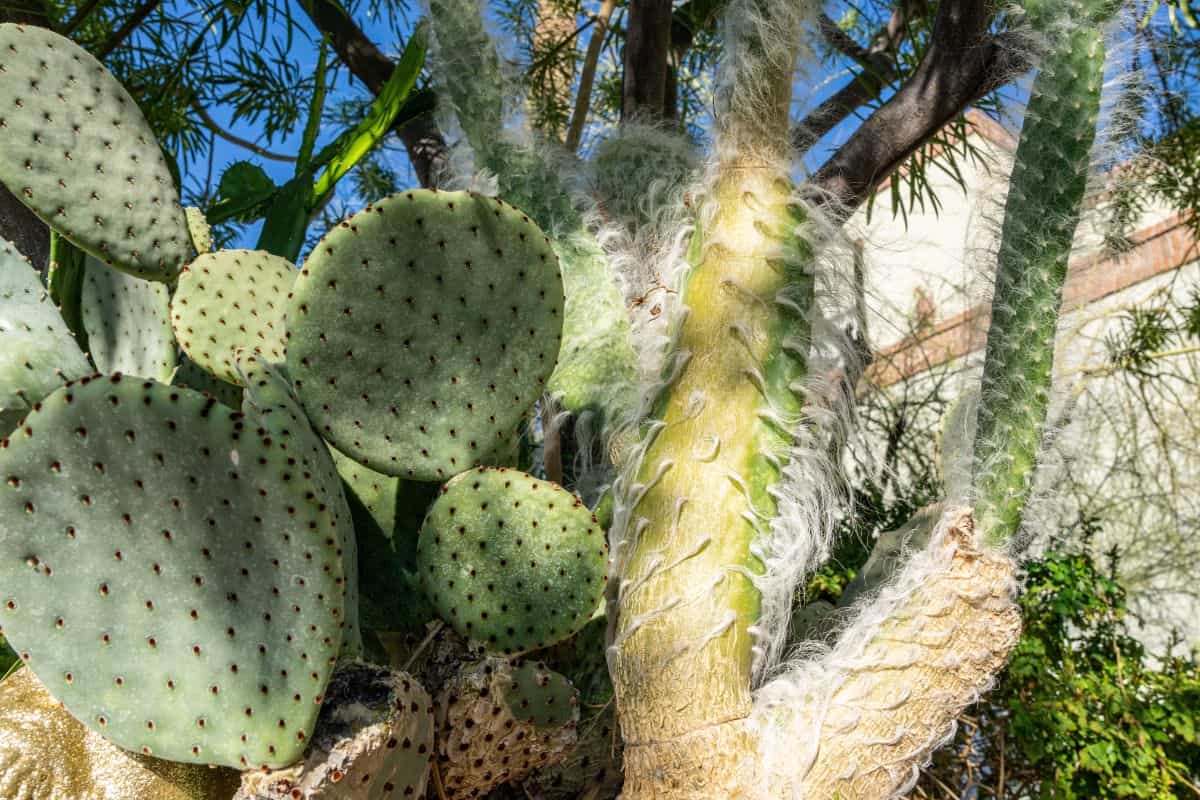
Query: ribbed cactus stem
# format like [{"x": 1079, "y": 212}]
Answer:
[
  {"x": 682, "y": 655},
  {"x": 1047, "y": 186}
]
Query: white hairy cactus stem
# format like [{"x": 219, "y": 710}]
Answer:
[
  {"x": 682, "y": 655},
  {"x": 861, "y": 721}
]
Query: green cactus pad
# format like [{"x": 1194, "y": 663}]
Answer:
[
  {"x": 194, "y": 377},
  {"x": 75, "y": 148},
  {"x": 199, "y": 229},
  {"x": 270, "y": 404},
  {"x": 423, "y": 328},
  {"x": 499, "y": 720},
  {"x": 166, "y": 577},
  {"x": 37, "y": 352},
  {"x": 510, "y": 561},
  {"x": 387, "y": 512},
  {"x": 127, "y": 323},
  {"x": 373, "y": 741},
  {"x": 229, "y": 300}
]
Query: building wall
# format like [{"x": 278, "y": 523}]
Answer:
[{"x": 1123, "y": 452}]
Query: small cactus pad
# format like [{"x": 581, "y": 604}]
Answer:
[
  {"x": 373, "y": 741},
  {"x": 75, "y": 148},
  {"x": 46, "y": 754},
  {"x": 172, "y": 582},
  {"x": 270, "y": 404},
  {"x": 37, "y": 352},
  {"x": 510, "y": 561},
  {"x": 423, "y": 328},
  {"x": 228, "y": 300},
  {"x": 127, "y": 323},
  {"x": 499, "y": 720},
  {"x": 199, "y": 229}
]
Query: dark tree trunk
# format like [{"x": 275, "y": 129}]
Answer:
[{"x": 647, "y": 47}]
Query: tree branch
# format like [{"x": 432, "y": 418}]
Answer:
[
  {"x": 215, "y": 127},
  {"x": 583, "y": 98},
  {"x": 425, "y": 144},
  {"x": 80, "y": 17},
  {"x": 962, "y": 64},
  {"x": 127, "y": 28},
  {"x": 878, "y": 63}
]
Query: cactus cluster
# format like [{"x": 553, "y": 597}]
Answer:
[
  {"x": 200, "y": 465},
  {"x": 227, "y": 482}
]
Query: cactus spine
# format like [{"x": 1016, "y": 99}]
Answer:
[{"x": 1048, "y": 182}]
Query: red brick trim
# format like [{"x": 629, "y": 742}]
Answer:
[{"x": 1160, "y": 248}]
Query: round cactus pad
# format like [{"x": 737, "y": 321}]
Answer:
[
  {"x": 228, "y": 300},
  {"x": 511, "y": 561},
  {"x": 75, "y": 148},
  {"x": 167, "y": 578},
  {"x": 423, "y": 328}
]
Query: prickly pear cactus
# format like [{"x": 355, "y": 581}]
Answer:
[
  {"x": 229, "y": 300},
  {"x": 199, "y": 229},
  {"x": 75, "y": 148},
  {"x": 166, "y": 574},
  {"x": 37, "y": 352},
  {"x": 510, "y": 561},
  {"x": 46, "y": 754},
  {"x": 373, "y": 740},
  {"x": 270, "y": 405},
  {"x": 128, "y": 324},
  {"x": 498, "y": 721},
  {"x": 422, "y": 329},
  {"x": 191, "y": 376}
]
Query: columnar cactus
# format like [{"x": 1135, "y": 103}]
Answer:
[{"x": 1049, "y": 178}]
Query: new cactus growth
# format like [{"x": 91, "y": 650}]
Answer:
[
  {"x": 199, "y": 229},
  {"x": 510, "y": 561},
  {"x": 76, "y": 149},
  {"x": 230, "y": 300},
  {"x": 437, "y": 389}
]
